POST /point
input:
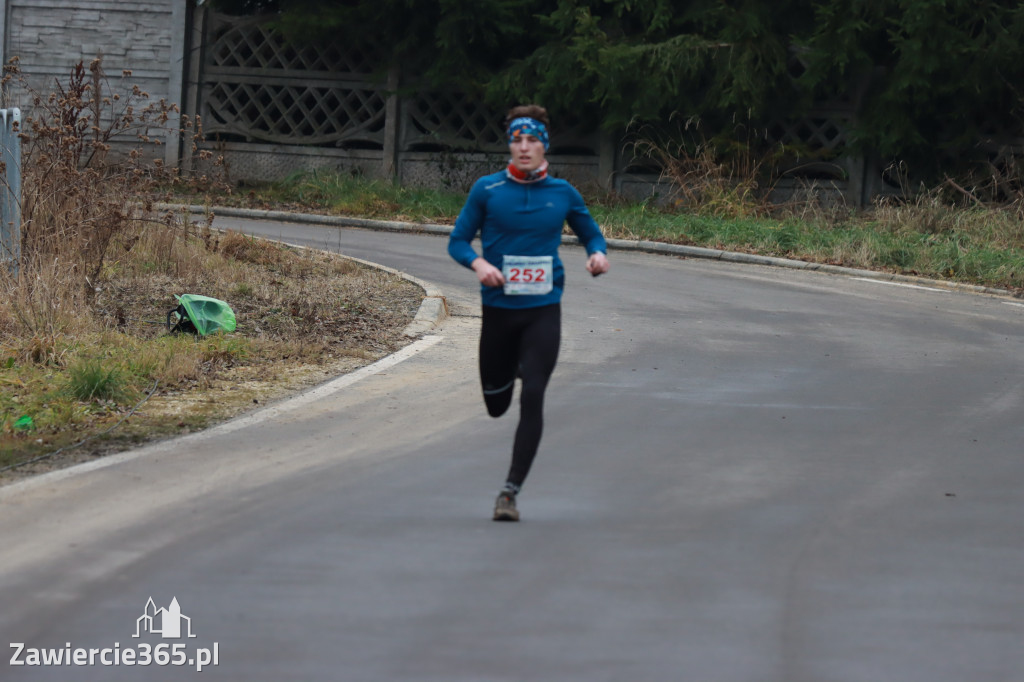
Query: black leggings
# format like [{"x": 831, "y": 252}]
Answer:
[{"x": 524, "y": 343}]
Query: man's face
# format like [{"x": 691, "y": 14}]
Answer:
[{"x": 527, "y": 152}]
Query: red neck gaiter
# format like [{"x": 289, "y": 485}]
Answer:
[{"x": 527, "y": 176}]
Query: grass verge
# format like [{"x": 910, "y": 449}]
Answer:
[
  {"x": 87, "y": 366},
  {"x": 71, "y": 373},
  {"x": 926, "y": 236}
]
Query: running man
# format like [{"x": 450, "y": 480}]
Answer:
[{"x": 519, "y": 213}]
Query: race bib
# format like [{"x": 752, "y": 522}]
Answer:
[{"x": 528, "y": 275}]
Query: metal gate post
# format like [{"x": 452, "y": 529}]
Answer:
[{"x": 10, "y": 186}]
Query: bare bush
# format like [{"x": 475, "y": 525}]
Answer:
[
  {"x": 90, "y": 151},
  {"x": 723, "y": 177}
]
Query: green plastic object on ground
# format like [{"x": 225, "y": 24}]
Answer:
[
  {"x": 24, "y": 423},
  {"x": 202, "y": 314}
]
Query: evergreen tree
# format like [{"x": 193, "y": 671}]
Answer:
[
  {"x": 927, "y": 78},
  {"x": 931, "y": 77}
]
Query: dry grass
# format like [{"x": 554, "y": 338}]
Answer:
[
  {"x": 302, "y": 316},
  {"x": 723, "y": 177}
]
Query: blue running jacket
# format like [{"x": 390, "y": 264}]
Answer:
[{"x": 520, "y": 219}]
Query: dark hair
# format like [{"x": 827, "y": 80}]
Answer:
[{"x": 531, "y": 110}]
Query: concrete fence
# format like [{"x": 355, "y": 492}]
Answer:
[{"x": 271, "y": 107}]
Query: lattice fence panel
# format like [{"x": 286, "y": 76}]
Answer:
[
  {"x": 450, "y": 120},
  {"x": 250, "y": 43},
  {"x": 814, "y": 133},
  {"x": 820, "y": 135},
  {"x": 453, "y": 121},
  {"x": 259, "y": 87}
]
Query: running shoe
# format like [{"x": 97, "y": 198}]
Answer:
[{"x": 505, "y": 507}]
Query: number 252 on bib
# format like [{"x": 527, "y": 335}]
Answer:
[{"x": 528, "y": 275}]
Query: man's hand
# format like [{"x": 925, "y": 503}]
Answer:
[
  {"x": 488, "y": 275},
  {"x": 597, "y": 264}
]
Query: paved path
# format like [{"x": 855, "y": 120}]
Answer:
[{"x": 749, "y": 474}]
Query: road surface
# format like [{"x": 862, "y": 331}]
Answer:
[{"x": 748, "y": 474}]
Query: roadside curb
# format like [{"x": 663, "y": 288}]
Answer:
[
  {"x": 433, "y": 309},
  {"x": 619, "y": 244}
]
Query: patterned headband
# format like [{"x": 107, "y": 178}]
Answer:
[{"x": 528, "y": 126}]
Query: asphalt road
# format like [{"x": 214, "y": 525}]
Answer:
[{"x": 748, "y": 474}]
